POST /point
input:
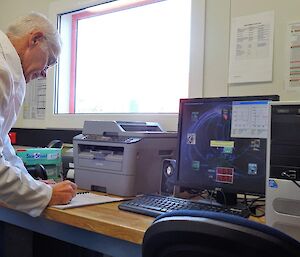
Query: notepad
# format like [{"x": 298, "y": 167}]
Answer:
[{"x": 87, "y": 198}]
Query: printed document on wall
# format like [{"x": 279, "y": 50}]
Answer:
[
  {"x": 35, "y": 99},
  {"x": 294, "y": 55},
  {"x": 251, "y": 48}
]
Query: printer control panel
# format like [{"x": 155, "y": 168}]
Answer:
[{"x": 113, "y": 139}]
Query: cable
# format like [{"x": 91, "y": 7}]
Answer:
[
  {"x": 296, "y": 183},
  {"x": 285, "y": 174},
  {"x": 258, "y": 215},
  {"x": 224, "y": 196},
  {"x": 253, "y": 208}
]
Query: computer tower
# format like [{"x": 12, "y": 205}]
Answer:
[{"x": 283, "y": 168}]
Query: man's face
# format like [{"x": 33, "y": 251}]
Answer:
[{"x": 38, "y": 58}]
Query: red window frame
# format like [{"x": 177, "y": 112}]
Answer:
[{"x": 88, "y": 14}]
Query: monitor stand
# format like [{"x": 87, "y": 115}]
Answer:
[
  {"x": 230, "y": 202},
  {"x": 226, "y": 198}
]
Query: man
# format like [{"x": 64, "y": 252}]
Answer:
[{"x": 30, "y": 46}]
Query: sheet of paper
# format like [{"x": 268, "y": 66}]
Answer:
[
  {"x": 293, "y": 77},
  {"x": 251, "y": 48},
  {"x": 86, "y": 198},
  {"x": 35, "y": 99}
]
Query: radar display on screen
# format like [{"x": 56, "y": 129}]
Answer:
[{"x": 223, "y": 143}]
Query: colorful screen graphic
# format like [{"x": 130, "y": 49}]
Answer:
[{"x": 223, "y": 143}]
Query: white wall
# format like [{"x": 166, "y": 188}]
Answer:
[
  {"x": 11, "y": 9},
  {"x": 285, "y": 12},
  {"x": 216, "y": 47},
  {"x": 218, "y": 16},
  {"x": 217, "y": 35}
]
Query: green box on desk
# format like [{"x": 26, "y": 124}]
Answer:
[{"x": 50, "y": 158}]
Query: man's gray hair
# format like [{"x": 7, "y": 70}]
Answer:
[{"x": 33, "y": 21}]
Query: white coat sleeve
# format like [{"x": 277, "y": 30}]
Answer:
[
  {"x": 17, "y": 188},
  {"x": 10, "y": 155}
]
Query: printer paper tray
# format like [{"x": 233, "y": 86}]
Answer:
[{"x": 101, "y": 164}]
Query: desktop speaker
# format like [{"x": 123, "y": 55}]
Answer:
[{"x": 168, "y": 178}]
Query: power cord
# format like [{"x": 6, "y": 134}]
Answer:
[
  {"x": 296, "y": 183},
  {"x": 223, "y": 195},
  {"x": 291, "y": 178},
  {"x": 254, "y": 208}
]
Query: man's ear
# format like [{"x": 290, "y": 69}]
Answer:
[{"x": 35, "y": 37}]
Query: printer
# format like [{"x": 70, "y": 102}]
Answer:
[{"x": 122, "y": 158}]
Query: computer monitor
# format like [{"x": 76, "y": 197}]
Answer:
[{"x": 222, "y": 144}]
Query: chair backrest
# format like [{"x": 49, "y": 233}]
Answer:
[{"x": 210, "y": 234}]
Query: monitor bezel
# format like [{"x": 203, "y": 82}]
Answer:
[{"x": 184, "y": 101}]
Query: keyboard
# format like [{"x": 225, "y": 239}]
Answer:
[{"x": 154, "y": 205}]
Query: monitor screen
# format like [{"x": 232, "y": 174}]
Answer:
[{"x": 222, "y": 143}]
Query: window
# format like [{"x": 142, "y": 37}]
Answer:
[
  {"x": 126, "y": 56},
  {"x": 128, "y": 60}
]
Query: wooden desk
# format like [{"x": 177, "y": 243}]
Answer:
[
  {"x": 102, "y": 228},
  {"x": 105, "y": 219}
]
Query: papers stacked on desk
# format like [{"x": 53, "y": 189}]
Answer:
[{"x": 87, "y": 198}]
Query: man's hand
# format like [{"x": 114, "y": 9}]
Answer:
[{"x": 63, "y": 192}]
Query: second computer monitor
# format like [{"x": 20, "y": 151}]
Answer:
[{"x": 222, "y": 143}]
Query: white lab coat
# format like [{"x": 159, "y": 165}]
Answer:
[{"x": 17, "y": 188}]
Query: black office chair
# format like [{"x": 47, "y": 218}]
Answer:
[{"x": 209, "y": 234}]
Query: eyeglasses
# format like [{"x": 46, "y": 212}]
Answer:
[{"x": 52, "y": 60}]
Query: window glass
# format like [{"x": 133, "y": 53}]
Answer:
[{"x": 125, "y": 57}]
